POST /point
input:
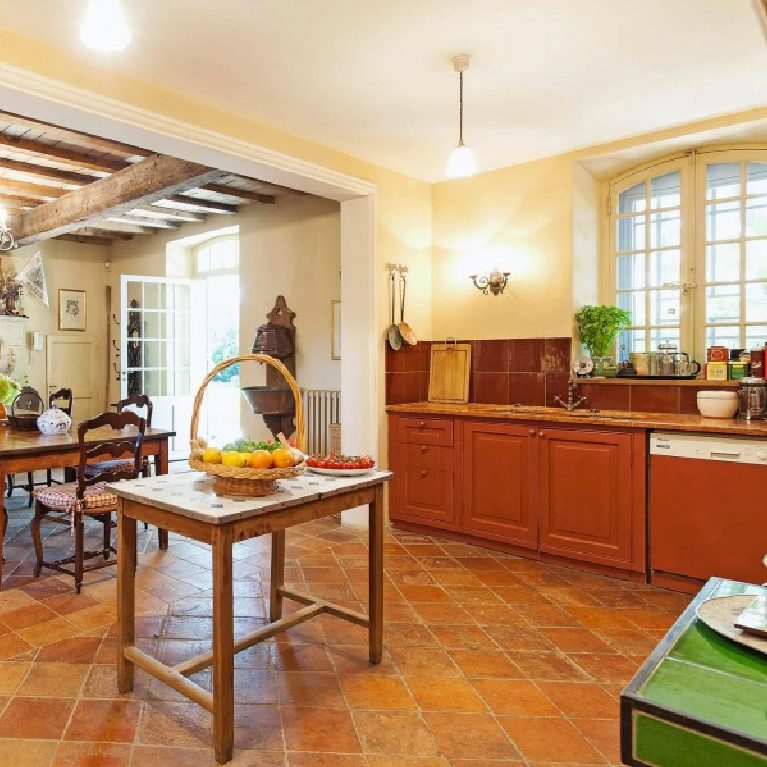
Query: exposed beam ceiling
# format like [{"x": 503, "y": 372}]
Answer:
[
  {"x": 146, "y": 223},
  {"x": 244, "y": 194},
  {"x": 62, "y": 154},
  {"x": 155, "y": 178}
]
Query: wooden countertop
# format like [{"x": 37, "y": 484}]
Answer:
[{"x": 626, "y": 420}]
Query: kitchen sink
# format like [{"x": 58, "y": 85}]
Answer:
[{"x": 586, "y": 414}]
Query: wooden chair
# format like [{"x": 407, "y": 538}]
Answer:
[
  {"x": 62, "y": 399},
  {"x": 28, "y": 400},
  {"x": 70, "y": 503}
]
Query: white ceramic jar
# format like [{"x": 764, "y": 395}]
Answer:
[{"x": 54, "y": 421}]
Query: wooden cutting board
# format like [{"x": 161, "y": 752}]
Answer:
[{"x": 449, "y": 373}]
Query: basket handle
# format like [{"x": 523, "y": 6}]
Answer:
[{"x": 263, "y": 359}]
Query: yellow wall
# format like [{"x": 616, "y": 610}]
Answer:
[{"x": 518, "y": 219}]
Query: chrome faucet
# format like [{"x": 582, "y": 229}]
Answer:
[{"x": 572, "y": 403}]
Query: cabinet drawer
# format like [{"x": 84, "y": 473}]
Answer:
[
  {"x": 425, "y": 431},
  {"x": 429, "y": 457}
]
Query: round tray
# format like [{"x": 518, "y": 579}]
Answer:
[
  {"x": 341, "y": 472},
  {"x": 720, "y": 614}
]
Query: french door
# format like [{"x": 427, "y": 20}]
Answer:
[{"x": 159, "y": 321}]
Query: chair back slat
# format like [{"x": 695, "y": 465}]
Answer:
[
  {"x": 131, "y": 444},
  {"x": 63, "y": 396},
  {"x": 137, "y": 401}
]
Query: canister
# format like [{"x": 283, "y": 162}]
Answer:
[
  {"x": 737, "y": 370},
  {"x": 757, "y": 362},
  {"x": 641, "y": 362},
  {"x": 717, "y": 354},
  {"x": 716, "y": 371}
]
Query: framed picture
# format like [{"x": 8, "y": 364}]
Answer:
[
  {"x": 335, "y": 330},
  {"x": 71, "y": 309}
]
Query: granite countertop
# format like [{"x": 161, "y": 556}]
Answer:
[{"x": 626, "y": 420}]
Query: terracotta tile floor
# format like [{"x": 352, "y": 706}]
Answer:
[{"x": 489, "y": 659}]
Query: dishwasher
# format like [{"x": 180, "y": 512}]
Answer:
[{"x": 708, "y": 506}]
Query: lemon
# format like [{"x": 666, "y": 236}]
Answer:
[
  {"x": 212, "y": 455},
  {"x": 232, "y": 458}
]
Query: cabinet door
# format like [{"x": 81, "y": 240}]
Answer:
[
  {"x": 500, "y": 483},
  {"x": 586, "y": 495}
]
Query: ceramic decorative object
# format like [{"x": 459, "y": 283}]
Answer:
[{"x": 54, "y": 421}]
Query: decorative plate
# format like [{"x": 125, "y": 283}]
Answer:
[
  {"x": 721, "y": 614},
  {"x": 341, "y": 472},
  {"x": 582, "y": 366}
]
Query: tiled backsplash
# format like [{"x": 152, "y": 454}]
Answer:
[{"x": 529, "y": 371}]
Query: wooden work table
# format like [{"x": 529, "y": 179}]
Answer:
[
  {"x": 186, "y": 504},
  {"x": 25, "y": 451}
]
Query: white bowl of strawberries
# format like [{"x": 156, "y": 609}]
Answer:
[{"x": 336, "y": 465}]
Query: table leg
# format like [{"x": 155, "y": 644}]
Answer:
[
  {"x": 278, "y": 575},
  {"x": 161, "y": 467},
  {"x": 126, "y": 596},
  {"x": 223, "y": 647},
  {"x": 375, "y": 576}
]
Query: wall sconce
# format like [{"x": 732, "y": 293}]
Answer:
[{"x": 495, "y": 282}]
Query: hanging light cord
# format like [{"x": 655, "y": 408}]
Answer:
[{"x": 460, "y": 109}]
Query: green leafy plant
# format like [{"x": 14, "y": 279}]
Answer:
[
  {"x": 598, "y": 326},
  {"x": 9, "y": 390}
]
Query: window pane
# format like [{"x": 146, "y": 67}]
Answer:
[
  {"x": 215, "y": 258},
  {"x": 633, "y": 199},
  {"x": 723, "y": 221},
  {"x": 634, "y": 304},
  {"x": 755, "y": 335},
  {"x": 659, "y": 336},
  {"x": 665, "y": 229},
  {"x": 756, "y": 302},
  {"x": 756, "y": 260},
  {"x": 664, "y": 307},
  {"x": 723, "y": 262},
  {"x": 756, "y": 178},
  {"x": 630, "y": 271},
  {"x": 664, "y": 267},
  {"x": 203, "y": 260},
  {"x": 723, "y": 303},
  {"x": 723, "y": 335},
  {"x": 630, "y": 341},
  {"x": 756, "y": 217},
  {"x": 631, "y": 233},
  {"x": 723, "y": 180},
  {"x": 665, "y": 190}
]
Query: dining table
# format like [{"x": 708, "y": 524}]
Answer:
[
  {"x": 23, "y": 451},
  {"x": 187, "y": 504}
]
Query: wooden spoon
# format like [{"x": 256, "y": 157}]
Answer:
[
  {"x": 408, "y": 336},
  {"x": 395, "y": 337}
]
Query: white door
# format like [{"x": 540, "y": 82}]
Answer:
[
  {"x": 157, "y": 326},
  {"x": 71, "y": 364}
]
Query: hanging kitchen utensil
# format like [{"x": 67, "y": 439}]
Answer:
[
  {"x": 395, "y": 337},
  {"x": 408, "y": 336}
]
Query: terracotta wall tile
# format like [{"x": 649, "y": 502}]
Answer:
[
  {"x": 527, "y": 389},
  {"x": 655, "y": 399},
  {"x": 491, "y": 388},
  {"x": 525, "y": 355},
  {"x": 491, "y": 356},
  {"x": 556, "y": 355},
  {"x": 556, "y": 385},
  {"x": 606, "y": 397}
]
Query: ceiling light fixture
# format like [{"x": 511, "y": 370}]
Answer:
[
  {"x": 461, "y": 161},
  {"x": 104, "y": 28}
]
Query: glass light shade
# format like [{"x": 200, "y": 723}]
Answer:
[
  {"x": 461, "y": 162},
  {"x": 104, "y": 28}
]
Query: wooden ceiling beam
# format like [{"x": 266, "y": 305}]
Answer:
[
  {"x": 62, "y": 154},
  {"x": 17, "y": 201},
  {"x": 143, "y": 221},
  {"x": 84, "y": 240},
  {"x": 73, "y": 136},
  {"x": 243, "y": 194},
  {"x": 42, "y": 171},
  {"x": 172, "y": 214},
  {"x": 155, "y": 178},
  {"x": 98, "y": 231},
  {"x": 40, "y": 191},
  {"x": 195, "y": 203}
]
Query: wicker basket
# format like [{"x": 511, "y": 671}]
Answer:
[{"x": 231, "y": 480}]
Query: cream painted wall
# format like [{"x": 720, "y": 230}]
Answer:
[
  {"x": 67, "y": 265},
  {"x": 518, "y": 219}
]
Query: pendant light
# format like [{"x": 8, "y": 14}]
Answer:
[
  {"x": 104, "y": 28},
  {"x": 461, "y": 160}
]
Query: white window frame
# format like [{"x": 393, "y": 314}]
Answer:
[
  {"x": 206, "y": 244},
  {"x": 692, "y": 166}
]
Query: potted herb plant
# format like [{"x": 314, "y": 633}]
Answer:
[
  {"x": 597, "y": 328},
  {"x": 9, "y": 390}
]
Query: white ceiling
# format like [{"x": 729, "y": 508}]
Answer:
[{"x": 374, "y": 79}]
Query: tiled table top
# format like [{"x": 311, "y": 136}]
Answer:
[{"x": 191, "y": 494}]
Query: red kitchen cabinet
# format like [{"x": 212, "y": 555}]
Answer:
[
  {"x": 586, "y": 495},
  {"x": 500, "y": 468}
]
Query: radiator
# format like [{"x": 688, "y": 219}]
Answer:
[{"x": 322, "y": 413}]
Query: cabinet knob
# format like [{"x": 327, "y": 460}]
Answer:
[
  {"x": 424, "y": 448},
  {"x": 532, "y": 432},
  {"x": 423, "y": 472},
  {"x": 422, "y": 424},
  {"x": 540, "y": 433}
]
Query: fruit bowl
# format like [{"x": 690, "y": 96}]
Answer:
[{"x": 243, "y": 480}]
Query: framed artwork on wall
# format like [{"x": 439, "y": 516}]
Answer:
[
  {"x": 71, "y": 309},
  {"x": 335, "y": 330}
]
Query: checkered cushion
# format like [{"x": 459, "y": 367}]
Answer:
[
  {"x": 64, "y": 497},
  {"x": 92, "y": 469}
]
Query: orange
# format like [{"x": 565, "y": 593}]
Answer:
[
  {"x": 261, "y": 459},
  {"x": 282, "y": 459}
]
